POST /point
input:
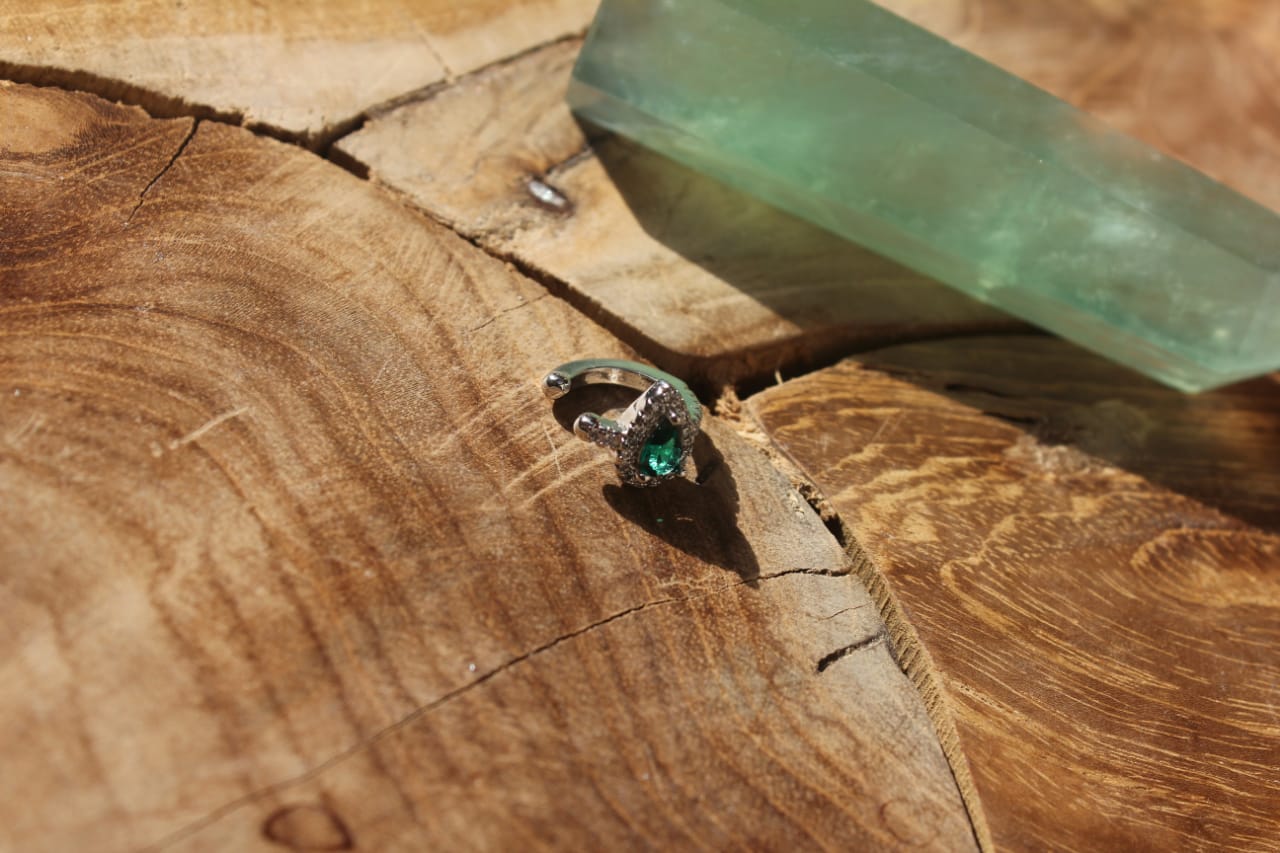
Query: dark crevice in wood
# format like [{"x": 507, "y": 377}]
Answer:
[
  {"x": 151, "y": 102},
  {"x": 904, "y": 646},
  {"x": 419, "y": 712},
  {"x": 965, "y": 388},
  {"x": 182, "y": 146},
  {"x": 322, "y": 142},
  {"x": 1016, "y": 420},
  {"x": 327, "y": 148},
  {"x": 820, "y": 573},
  {"x": 843, "y": 652},
  {"x": 346, "y": 162}
]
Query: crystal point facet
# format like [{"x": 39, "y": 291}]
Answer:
[{"x": 849, "y": 116}]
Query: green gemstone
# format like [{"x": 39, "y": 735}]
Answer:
[
  {"x": 849, "y": 116},
  {"x": 661, "y": 453}
]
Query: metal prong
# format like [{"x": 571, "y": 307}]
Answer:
[
  {"x": 556, "y": 385},
  {"x": 591, "y": 427}
]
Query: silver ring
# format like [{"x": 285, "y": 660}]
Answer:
[{"x": 652, "y": 439}]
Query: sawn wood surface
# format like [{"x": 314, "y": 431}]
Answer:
[
  {"x": 301, "y": 70},
  {"x": 295, "y": 553},
  {"x": 1083, "y": 571}
]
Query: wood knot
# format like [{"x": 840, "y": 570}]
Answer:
[{"x": 305, "y": 826}]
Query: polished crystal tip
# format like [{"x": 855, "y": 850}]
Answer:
[{"x": 847, "y": 115}]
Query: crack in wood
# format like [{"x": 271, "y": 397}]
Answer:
[
  {"x": 422, "y": 710},
  {"x": 329, "y": 149},
  {"x": 182, "y": 146},
  {"x": 843, "y": 652},
  {"x": 908, "y": 653},
  {"x": 506, "y": 311},
  {"x": 150, "y": 101}
]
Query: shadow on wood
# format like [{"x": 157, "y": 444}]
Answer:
[
  {"x": 1220, "y": 448},
  {"x": 837, "y": 297},
  {"x": 700, "y": 518}
]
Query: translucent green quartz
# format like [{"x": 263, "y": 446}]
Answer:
[{"x": 863, "y": 123}]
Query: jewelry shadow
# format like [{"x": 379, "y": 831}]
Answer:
[
  {"x": 699, "y": 517},
  {"x": 836, "y": 295}
]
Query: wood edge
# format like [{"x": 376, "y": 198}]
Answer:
[
  {"x": 905, "y": 645},
  {"x": 154, "y": 103},
  {"x": 917, "y": 664}
]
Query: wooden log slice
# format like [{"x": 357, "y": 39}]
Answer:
[
  {"x": 1091, "y": 565},
  {"x": 304, "y": 71},
  {"x": 293, "y": 551}
]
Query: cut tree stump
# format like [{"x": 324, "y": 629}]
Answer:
[
  {"x": 306, "y": 71},
  {"x": 1091, "y": 565},
  {"x": 294, "y": 552}
]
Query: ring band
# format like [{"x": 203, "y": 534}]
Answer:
[{"x": 653, "y": 437}]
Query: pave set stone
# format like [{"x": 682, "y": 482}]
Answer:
[
  {"x": 661, "y": 454},
  {"x": 654, "y": 437},
  {"x": 658, "y": 436}
]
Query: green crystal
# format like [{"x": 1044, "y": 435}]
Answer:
[
  {"x": 661, "y": 453},
  {"x": 849, "y": 116}
]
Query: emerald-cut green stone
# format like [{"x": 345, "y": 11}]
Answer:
[
  {"x": 661, "y": 453},
  {"x": 847, "y": 115}
]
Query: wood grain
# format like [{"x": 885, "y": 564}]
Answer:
[
  {"x": 1198, "y": 79},
  {"x": 716, "y": 285},
  {"x": 298, "y": 69},
  {"x": 1088, "y": 562},
  {"x": 294, "y": 553}
]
